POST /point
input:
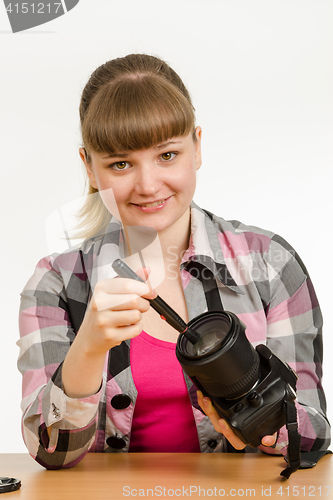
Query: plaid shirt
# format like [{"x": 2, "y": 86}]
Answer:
[{"x": 249, "y": 271}]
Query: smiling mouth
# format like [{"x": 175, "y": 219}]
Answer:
[{"x": 153, "y": 204}]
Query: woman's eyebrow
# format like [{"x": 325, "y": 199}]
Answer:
[
  {"x": 115, "y": 155},
  {"x": 125, "y": 155},
  {"x": 165, "y": 144}
]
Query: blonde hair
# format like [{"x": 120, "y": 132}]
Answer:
[{"x": 128, "y": 104}]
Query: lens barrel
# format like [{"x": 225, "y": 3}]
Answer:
[{"x": 223, "y": 363}]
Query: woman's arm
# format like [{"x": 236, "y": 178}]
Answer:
[
  {"x": 294, "y": 333},
  {"x": 57, "y": 430},
  {"x": 62, "y": 369},
  {"x": 113, "y": 315}
]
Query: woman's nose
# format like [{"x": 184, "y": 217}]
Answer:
[{"x": 148, "y": 180}]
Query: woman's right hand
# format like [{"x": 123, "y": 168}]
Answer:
[{"x": 113, "y": 315}]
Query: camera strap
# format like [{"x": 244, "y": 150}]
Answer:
[
  {"x": 208, "y": 281},
  {"x": 294, "y": 446}
]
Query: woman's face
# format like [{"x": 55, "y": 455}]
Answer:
[{"x": 152, "y": 187}]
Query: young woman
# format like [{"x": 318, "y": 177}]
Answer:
[{"x": 99, "y": 366}]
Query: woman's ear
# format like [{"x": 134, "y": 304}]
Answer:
[
  {"x": 197, "y": 146},
  {"x": 87, "y": 163}
]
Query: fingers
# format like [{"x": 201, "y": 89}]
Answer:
[
  {"x": 230, "y": 435},
  {"x": 115, "y": 312},
  {"x": 120, "y": 294},
  {"x": 118, "y": 335},
  {"x": 114, "y": 337},
  {"x": 102, "y": 330},
  {"x": 116, "y": 319},
  {"x": 219, "y": 424},
  {"x": 269, "y": 440},
  {"x": 207, "y": 407},
  {"x": 144, "y": 274},
  {"x": 122, "y": 285},
  {"x": 119, "y": 302}
]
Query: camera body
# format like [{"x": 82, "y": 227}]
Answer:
[
  {"x": 248, "y": 387},
  {"x": 260, "y": 412}
]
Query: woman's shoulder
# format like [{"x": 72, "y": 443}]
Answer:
[
  {"x": 76, "y": 266},
  {"x": 236, "y": 235},
  {"x": 230, "y": 229},
  {"x": 235, "y": 226},
  {"x": 60, "y": 265}
]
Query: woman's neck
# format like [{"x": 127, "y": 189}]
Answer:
[
  {"x": 164, "y": 251},
  {"x": 174, "y": 240}
]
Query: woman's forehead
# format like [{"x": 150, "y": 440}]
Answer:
[{"x": 173, "y": 141}]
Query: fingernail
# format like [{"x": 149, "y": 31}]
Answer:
[
  {"x": 223, "y": 424},
  {"x": 266, "y": 441}
]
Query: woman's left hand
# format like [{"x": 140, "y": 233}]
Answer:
[{"x": 220, "y": 425}]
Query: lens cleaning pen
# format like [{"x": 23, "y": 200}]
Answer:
[{"x": 164, "y": 310}]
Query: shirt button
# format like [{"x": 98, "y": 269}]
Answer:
[
  {"x": 116, "y": 442},
  {"x": 212, "y": 443},
  {"x": 120, "y": 401},
  {"x": 56, "y": 412}
]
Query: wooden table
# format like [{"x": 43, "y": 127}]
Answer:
[{"x": 155, "y": 475}]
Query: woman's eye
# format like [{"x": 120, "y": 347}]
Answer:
[
  {"x": 120, "y": 165},
  {"x": 168, "y": 156}
]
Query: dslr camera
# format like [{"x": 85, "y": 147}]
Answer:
[{"x": 248, "y": 386}]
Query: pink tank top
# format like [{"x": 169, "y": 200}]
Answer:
[{"x": 163, "y": 419}]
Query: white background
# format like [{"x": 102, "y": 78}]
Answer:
[{"x": 260, "y": 74}]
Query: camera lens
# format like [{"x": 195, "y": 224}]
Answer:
[
  {"x": 213, "y": 330},
  {"x": 223, "y": 362}
]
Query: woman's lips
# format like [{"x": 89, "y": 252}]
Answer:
[{"x": 153, "y": 206}]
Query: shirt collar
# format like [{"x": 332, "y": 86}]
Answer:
[{"x": 205, "y": 248}]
